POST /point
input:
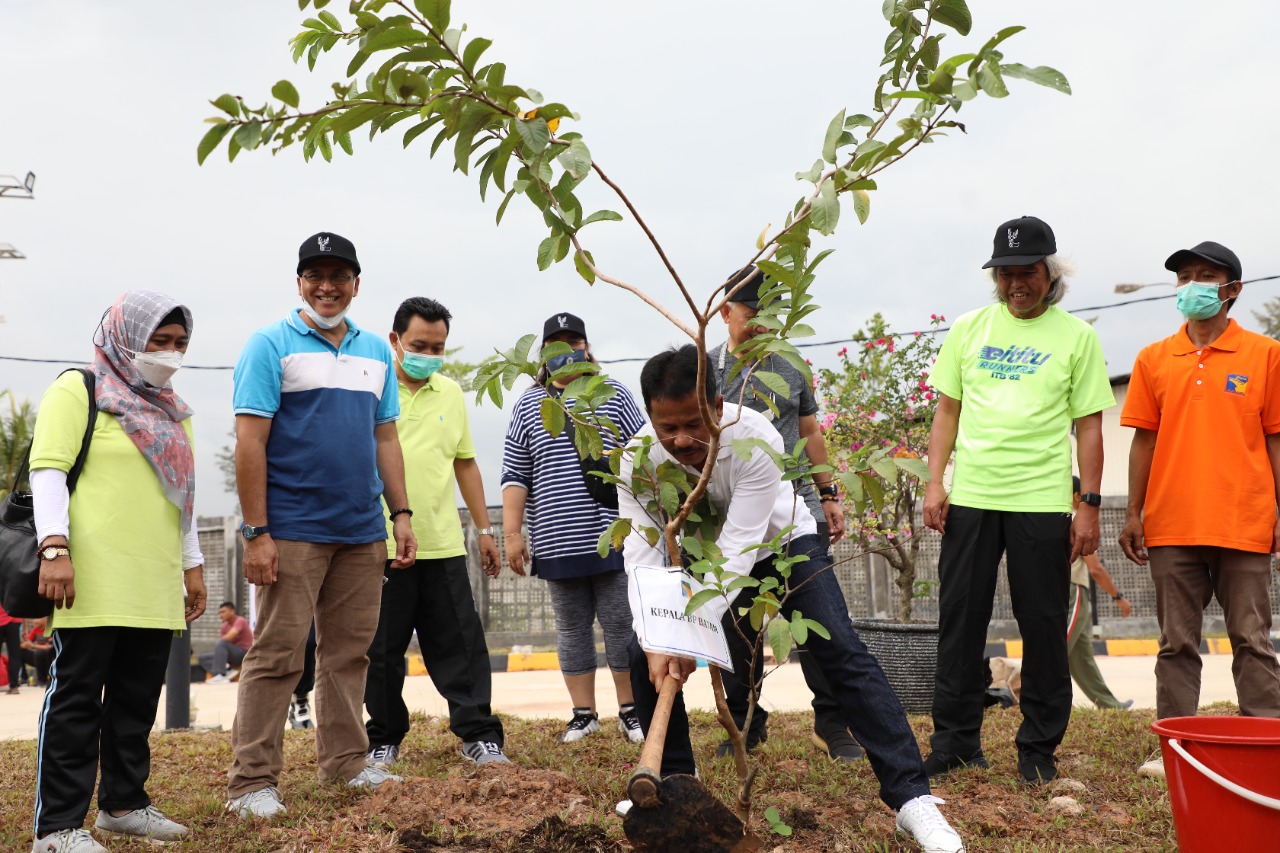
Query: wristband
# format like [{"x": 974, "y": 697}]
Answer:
[
  {"x": 829, "y": 499},
  {"x": 1119, "y": 595},
  {"x": 485, "y": 531},
  {"x": 401, "y": 511}
]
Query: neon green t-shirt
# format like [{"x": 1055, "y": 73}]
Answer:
[
  {"x": 433, "y": 431},
  {"x": 125, "y": 537},
  {"x": 1020, "y": 384}
]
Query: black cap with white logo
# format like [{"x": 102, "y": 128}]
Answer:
[
  {"x": 1214, "y": 253},
  {"x": 327, "y": 245},
  {"x": 749, "y": 293},
  {"x": 563, "y": 322},
  {"x": 1022, "y": 241}
]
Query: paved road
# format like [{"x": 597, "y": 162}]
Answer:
[{"x": 541, "y": 694}]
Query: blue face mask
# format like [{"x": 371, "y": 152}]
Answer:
[
  {"x": 558, "y": 361},
  {"x": 418, "y": 366},
  {"x": 1198, "y": 300}
]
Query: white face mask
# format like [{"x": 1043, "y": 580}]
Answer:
[
  {"x": 324, "y": 322},
  {"x": 157, "y": 367}
]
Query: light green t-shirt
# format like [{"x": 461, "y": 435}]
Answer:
[
  {"x": 1020, "y": 384},
  {"x": 126, "y": 537},
  {"x": 433, "y": 431}
]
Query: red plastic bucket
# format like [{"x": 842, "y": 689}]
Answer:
[{"x": 1224, "y": 781}]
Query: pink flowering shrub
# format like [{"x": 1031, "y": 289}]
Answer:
[{"x": 878, "y": 409}]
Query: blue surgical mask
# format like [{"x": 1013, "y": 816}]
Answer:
[
  {"x": 418, "y": 366},
  {"x": 558, "y": 361},
  {"x": 1199, "y": 300}
]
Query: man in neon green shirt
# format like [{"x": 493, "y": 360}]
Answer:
[
  {"x": 1012, "y": 378},
  {"x": 433, "y": 595}
]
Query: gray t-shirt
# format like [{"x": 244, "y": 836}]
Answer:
[{"x": 790, "y": 409}]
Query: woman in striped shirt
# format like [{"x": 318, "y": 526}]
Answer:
[{"x": 542, "y": 474}]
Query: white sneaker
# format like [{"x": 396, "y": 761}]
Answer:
[
  {"x": 300, "y": 712},
  {"x": 67, "y": 841},
  {"x": 1153, "y": 768},
  {"x": 149, "y": 822},
  {"x": 264, "y": 802},
  {"x": 383, "y": 756},
  {"x": 622, "y": 808},
  {"x": 921, "y": 819},
  {"x": 629, "y": 725},
  {"x": 585, "y": 722},
  {"x": 219, "y": 679},
  {"x": 372, "y": 776},
  {"x": 484, "y": 752}
]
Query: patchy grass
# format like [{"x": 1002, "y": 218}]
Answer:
[{"x": 559, "y": 798}]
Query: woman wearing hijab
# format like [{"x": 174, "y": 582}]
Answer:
[
  {"x": 117, "y": 554},
  {"x": 542, "y": 472}
]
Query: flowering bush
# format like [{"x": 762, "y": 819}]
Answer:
[{"x": 878, "y": 412}]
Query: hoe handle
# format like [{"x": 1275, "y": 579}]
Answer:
[{"x": 643, "y": 786}]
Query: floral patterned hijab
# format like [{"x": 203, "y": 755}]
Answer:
[{"x": 152, "y": 417}]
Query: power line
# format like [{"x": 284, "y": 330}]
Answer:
[{"x": 853, "y": 340}]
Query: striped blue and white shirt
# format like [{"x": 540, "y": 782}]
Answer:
[
  {"x": 324, "y": 402},
  {"x": 565, "y": 522}
]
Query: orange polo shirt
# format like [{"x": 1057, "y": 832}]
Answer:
[{"x": 1211, "y": 481}]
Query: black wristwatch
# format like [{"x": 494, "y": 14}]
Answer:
[
  {"x": 404, "y": 511},
  {"x": 249, "y": 532},
  {"x": 1091, "y": 498},
  {"x": 829, "y": 490}
]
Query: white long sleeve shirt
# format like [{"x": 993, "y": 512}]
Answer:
[{"x": 750, "y": 496}]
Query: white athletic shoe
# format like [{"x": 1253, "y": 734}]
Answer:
[
  {"x": 584, "y": 723},
  {"x": 921, "y": 819},
  {"x": 264, "y": 802},
  {"x": 149, "y": 822},
  {"x": 1153, "y": 767},
  {"x": 629, "y": 725},
  {"x": 372, "y": 776},
  {"x": 67, "y": 841}
]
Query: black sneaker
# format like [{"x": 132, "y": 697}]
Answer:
[
  {"x": 585, "y": 722},
  {"x": 300, "y": 712},
  {"x": 942, "y": 763},
  {"x": 835, "y": 740},
  {"x": 383, "y": 756},
  {"x": 754, "y": 739},
  {"x": 1036, "y": 768}
]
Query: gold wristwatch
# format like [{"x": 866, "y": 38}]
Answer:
[{"x": 53, "y": 552}]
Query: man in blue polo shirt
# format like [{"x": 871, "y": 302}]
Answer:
[{"x": 316, "y": 447}]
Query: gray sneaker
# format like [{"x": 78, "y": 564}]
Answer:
[
  {"x": 149, "y": 822},
  {"x": 67, "y": 841},
  {"x": 372, "y": 776},
  {"x": 484, "y": 752},
  {"x": 264, "y": 802},
  {"x": 383, "y": 756}
]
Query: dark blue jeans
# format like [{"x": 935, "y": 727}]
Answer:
[{"x": 868, "y": 705}]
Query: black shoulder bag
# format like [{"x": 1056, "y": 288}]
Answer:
[
  {"x": 602, "y": 491},
  {"x": 19, "y": 562}
]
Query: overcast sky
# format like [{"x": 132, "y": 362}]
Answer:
[{"x": 702, "y": 111}]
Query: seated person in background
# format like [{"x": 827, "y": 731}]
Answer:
[
  {"x": 235, "y": 642},
  {"x": 37, "y": 650}
]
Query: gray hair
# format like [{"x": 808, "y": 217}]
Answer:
[{"x": 1060, "y": 269}]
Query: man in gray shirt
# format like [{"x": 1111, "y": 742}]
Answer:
[{"x": 796, "y": 418}]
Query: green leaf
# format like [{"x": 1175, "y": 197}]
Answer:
[
  {"x": 210, "y": 141},
  {"x": 669, "y": 498},
  {"x": 475, "y": 47},
  {"x": 343, "y": 138},
  {"x": 826, "y": 210},
  {"x": 249, "y": 135},
  {"x": 582, "y": 268},
  {"x": 859, "y": 120},
  {"x": 991, "y": 82},
  {"x": 834, "y": 131},
  {"x": 534, "y": 135},
  {"x": 780, "y": 638},
  {"x": 576, "y": 159},
  {"x": 601, "y": 216},
  {"x": 547, "y": 251},
  {"x": 452, "y": 38},
  {"x": 552, "y": 416},
  {"x": 773, "y": 382},
  {"x": 325, "y": 146},
  {"x": 885, "y": 468},
  {"x": 332, "y": 20},
  {"x": 700, "y": 598},
  {"x": 229, "y": 104},
  {"x": 284, "y": 91},
  {"x": 435, "y": 11},
  {"x": 812, "y": 175},
  {"x": 861, "y": 205},
  {"x": 314, "y": 24},
  {"x": 952, "y": 13},
  {"x": 502, "y": 208},
  {"x": 1042, "y": 74},
  {"x": 913, "y": 465}
]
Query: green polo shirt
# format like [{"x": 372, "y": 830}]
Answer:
[{"x": 433, "y": 432}]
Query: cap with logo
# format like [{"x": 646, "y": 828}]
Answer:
[
  {"x": 326, "y": 244},
  {"x": 1214, "y": 253},
  {"x": 1022, "y": 241},
  {"x": 563, "y": 322},
  {"x": 749, "y": 293}
]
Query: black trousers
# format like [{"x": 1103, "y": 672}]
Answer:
[
  {"x": 434, "y": 597},
  {"x": 99, "y": 709},
  {"x": 11, "y": 635},
  {"x": 1037, "y": 546},
  {"x": 826, "y": 710},
  {"x": 307, "y": 681}
]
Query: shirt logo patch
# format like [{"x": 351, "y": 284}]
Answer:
[
  {"x": 1013, "y": 237},
  {"x": 324, "y": 243},
  {"x": 1237, "y": 383},
  {"x": 1012, "y": 362},
  {"x": 686, "y": 590}
]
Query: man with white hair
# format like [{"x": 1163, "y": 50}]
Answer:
[{"x": 1012, "y": 378}]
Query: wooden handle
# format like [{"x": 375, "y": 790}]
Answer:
[{"x": 643, "y": 786}]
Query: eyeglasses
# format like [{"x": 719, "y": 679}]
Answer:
[{"x": 338, "y": 278}]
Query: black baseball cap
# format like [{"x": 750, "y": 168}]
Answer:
[
  {"x": 1022, "y": 241},
  {"x": 749, "y": 293},
  {"x": 1214, "y": 253},
  {"x": 326, "y": 244},
  {"x": 563, "y": 322}
]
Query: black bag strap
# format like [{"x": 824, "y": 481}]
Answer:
[{"x": 90, "y": 385}]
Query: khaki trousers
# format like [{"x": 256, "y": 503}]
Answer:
[
  {"x": 340, "y": 587},
  {"x": 1186, "y": 578}
]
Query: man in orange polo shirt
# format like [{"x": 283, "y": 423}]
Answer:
[{"x": 1204, "y": 471}]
